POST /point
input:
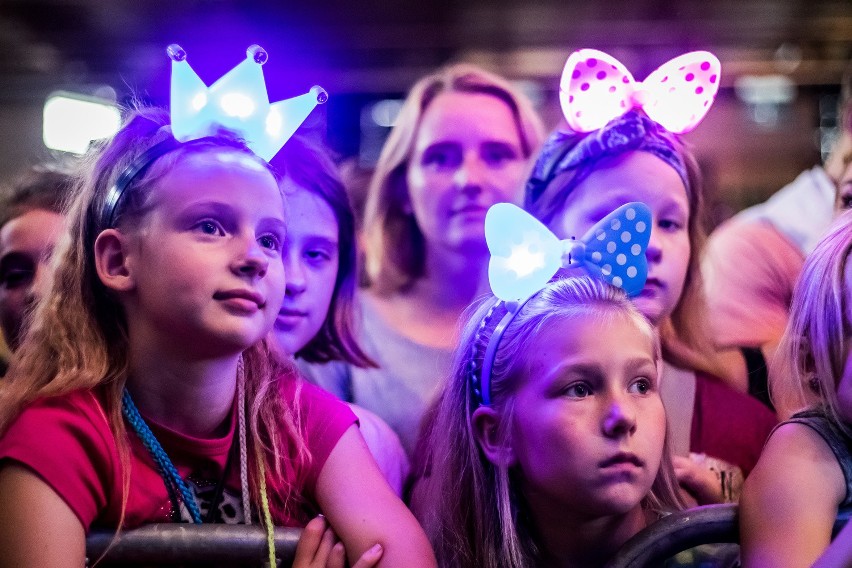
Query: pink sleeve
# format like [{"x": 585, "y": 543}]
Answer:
[
  {"x": 749, "y": 271},
  {"x": 64, "y": 441},
  {"x": 324, "y": 419}
]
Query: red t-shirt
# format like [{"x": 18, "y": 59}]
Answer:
[
  {"x": 728, "y": 424},
  {"x": 67, "y": 441}
]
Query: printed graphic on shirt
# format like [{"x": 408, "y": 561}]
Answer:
[{"x": 229, "y": 509}]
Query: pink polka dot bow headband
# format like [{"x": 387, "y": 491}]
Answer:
[{"x": 596, "y": 88}]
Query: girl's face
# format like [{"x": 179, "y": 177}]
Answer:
[
  {"x": 207, "y": 271},
  {"x": 26, "y": 245},
  {"x": 639, "y": 176},
  {"x": 311, "y": 263},
  {"x": 589, "y": 426},
  {"x": 467, "y": 156}
]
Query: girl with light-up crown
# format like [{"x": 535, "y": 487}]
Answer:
[{"x": 145, "y": 390}]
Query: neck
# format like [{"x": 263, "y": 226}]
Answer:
[
  {"x": 584, "y": 543},
  {"x": 453, "y": 279},
  {"x": 191, "y": 397}
]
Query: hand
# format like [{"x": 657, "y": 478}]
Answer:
[
  {"x": 699, "y": 482},
  {"x": 319, "y": 548}
]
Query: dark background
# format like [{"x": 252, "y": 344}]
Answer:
[{"x": 363, "y": 51}]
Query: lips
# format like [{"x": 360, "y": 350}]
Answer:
[
  {"x": 469, "y": 209},
  {"x": 289, "y": 318},
  {"x": 622, "y": 458},
  {"x": 241, "y": 297},
  {"x": 291, "y": 312},
  {"x": 652, "y": 287}
]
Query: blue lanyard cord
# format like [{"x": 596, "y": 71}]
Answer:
[{"x": 168, "y": 472}]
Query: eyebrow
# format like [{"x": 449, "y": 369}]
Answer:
[{"x": 594, "y": 368}]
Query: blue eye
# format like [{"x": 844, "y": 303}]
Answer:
[
  {"x": 578, "y": 390},
  {"x": 641, "y": 386},
  {"x": 210, "y": 227},
  {"x": 270, "y": 241},
  {"x": 497, "y": 154}
]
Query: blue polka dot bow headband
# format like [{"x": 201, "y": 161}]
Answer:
[{"x": 525, "y": 256}]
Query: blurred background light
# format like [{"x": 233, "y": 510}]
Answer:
[{"x": 72, "y": 121}]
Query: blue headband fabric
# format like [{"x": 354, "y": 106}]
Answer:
[{"x": 567, "y": 151}]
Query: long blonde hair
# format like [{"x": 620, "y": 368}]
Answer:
[
  {"x": 78, "y": 337},
  {"x": 812, "y": 353},
  {"x": 473, "y": 509},
  {"x": 394, "y": 246}
]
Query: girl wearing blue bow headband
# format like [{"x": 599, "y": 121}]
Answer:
[
  {"x": 145, "y": 390},
  {"x": 560, "y": 455}
]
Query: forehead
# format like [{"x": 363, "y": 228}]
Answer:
[
  {"x": 308, "y": 212},
  {"x": 222, "y": 175},
  {"x": 590, "y": 337},
  {"x": 31, "y": 231},
  {"x": 467, "y": 115},
  {"x": 633, "y": 176}
]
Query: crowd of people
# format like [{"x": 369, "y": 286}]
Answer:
[{"x": 203, "y": 335}]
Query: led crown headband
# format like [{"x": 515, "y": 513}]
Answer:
[
  {"x": 238, "y": 101},
  {"x": 595, "y": 88},
  {"x": 525, "y": 255}
]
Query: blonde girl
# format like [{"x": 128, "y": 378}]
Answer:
[
  {"x": 804, "y": 476},
  {"x": 144, "y": 390}
]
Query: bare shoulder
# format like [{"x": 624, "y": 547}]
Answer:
[
  {"x": 790, "y": 499},
  {"x": 37, "y": 527}
]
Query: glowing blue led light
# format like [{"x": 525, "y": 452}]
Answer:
[{"x": 237, "y": 101}]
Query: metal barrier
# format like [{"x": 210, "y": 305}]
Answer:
[
  {"x": 711, "y": 524},
  {"x": 178, "y": 544}
]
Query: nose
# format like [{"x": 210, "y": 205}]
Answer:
[
  {"x": 40, "y": 285},
  {"x": 654, "y": 252},
  {"x": 619, "y": 420},
  {"x": 471, "y": 174},
  {"x": 295, "y": 272},
  {"x": 252, "y": 260}
]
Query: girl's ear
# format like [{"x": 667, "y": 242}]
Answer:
[
  {"x": 486, "y": 428},
  {"x": 111, "y": 261}
]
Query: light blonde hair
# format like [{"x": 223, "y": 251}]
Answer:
[
  {"x": 812, "y": 353},
  {"x": 394, "y": 245},
  {"x": 472, "y": 508},
  {"x": 78, "y": 338}
]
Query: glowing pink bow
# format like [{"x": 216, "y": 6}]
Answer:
[{"x": 596, "y": 87}]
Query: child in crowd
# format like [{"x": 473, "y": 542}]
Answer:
[
  {"x": 31, "y": 221},
  {"x": 560, "y": 455},
  {"x": 582, "y": 174},
  {"x": 463, "y": 141},
  {"x": 804, "y": 476},
  {"x": 315, "y": 322},
  {"x": 144, "y": 390}
]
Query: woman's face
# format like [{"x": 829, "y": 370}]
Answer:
[
  {"x": 638, "y": 176},
  {"x": 467, "y": 156},
  {"x": 589, "y": 426},
  {"x": 311, "y": 262}
]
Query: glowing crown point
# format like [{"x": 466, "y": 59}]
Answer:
[
  {"x": 176, "y": 52},
  {"x": 258, "y": 54},
  {"x": 237, "y": 101},
  {"x": 320, "y": 94}
]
